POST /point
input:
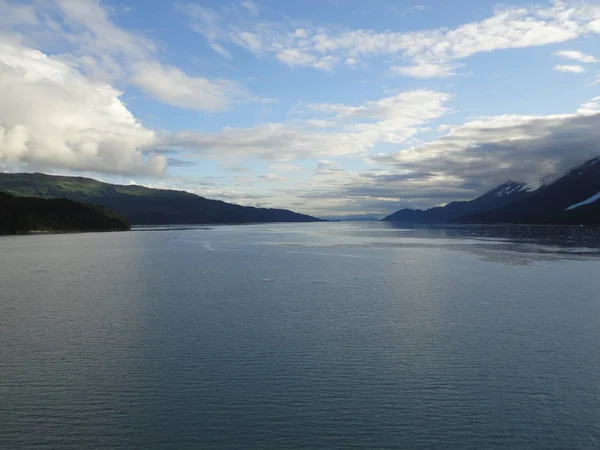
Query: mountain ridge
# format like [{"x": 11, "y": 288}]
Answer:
[
  {"x": 550, "y": 203},
  {"x": 568, "y": 199},
  {"x": 497, "y": 197},
  {"x": 140, "y": 205}
]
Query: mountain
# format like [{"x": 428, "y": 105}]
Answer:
[
  {"x": 141, "y": 205},
  {"x": 571, "y": 199},
  {"x": 504, "y": 194},
  {"x": 26, "y": 214}
]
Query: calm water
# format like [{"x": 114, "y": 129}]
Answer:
[{"x": 301, "y": 337}]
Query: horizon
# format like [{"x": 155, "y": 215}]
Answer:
[
  {"x": 333, "y": 109},
  {"x": 366, "y": 217}
]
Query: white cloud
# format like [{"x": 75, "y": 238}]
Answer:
[
  {"x": 355, "y": 130},
  {"x": 173, "y": 87},
  {"x": 294, "y": 57},
  {"x": 273, "y": 178},
  {"x": 426, "y": 53},
  {"x": 51, "y": 116},
  {"x": 326, "y": 166},
  {"x": 569, "y": 68},
  {"x": 576, "y": 56},
  {"x": 282, "y": 167},
  {"x": 218, "y": 48},
  {"x": 273, "y": 142},
  {"x": 424, "y": 70},
  {"x": 590, "y": 107},
  {"x": 91, "y": 30},
  {"x": 96, "y": 46}
]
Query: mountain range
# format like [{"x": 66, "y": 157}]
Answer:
[
  {"x": 571, "y": 199},
  {"x": 141, "y": 205}
]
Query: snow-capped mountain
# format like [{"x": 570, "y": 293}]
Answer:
[
  {"x": 571, "y": 199},
  {"x": 502, "y": 195}
]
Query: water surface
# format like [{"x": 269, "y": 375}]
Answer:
[{"x": 305, "y": 336}]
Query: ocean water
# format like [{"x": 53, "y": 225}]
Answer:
[{"x": 309, "y": 336}]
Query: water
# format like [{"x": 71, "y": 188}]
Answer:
[{"x": 301, "y": 336}]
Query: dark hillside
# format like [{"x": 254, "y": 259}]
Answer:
[
  {"x": 141, "y": 205},
  {"x": 26, "y": 214}
]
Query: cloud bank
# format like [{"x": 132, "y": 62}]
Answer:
[
  {"x": 91, "y": 42},
  {"x": 51, "y": 116}
]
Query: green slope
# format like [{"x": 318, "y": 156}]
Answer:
[
  {"x": 140, "y": 205},
  {"x": 26, "y": 214}
]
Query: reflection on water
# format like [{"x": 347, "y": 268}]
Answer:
[
  {"x": 301, "y": 336},
  {"x": 563, "y": 236},
  {"x": 509, "y": 244}
]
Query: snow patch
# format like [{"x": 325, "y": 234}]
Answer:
[
  {"x": 532, "y": 186},
  {"x": 536, "y": 184},
  {"x": 592, "y": 199},
  {"x": 508, "y": 189}
]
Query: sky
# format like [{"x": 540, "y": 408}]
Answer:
[{"x": 333, "y": 108}]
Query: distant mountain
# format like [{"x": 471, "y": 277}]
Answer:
[
  {"x": 141, "y": 205},
  {"x": 355, "y": 218},
  {"x": 504, "y": 194},
  {"x": 571, "y": 199},
  {"x": 27, "y": 214}
]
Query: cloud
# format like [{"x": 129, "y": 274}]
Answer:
[
  {"x": 172, "y": 86},
  {"x": 469, "y": 160},
  {"x": 282, "y": 167},
  {"x": 569, "y": 68},
  {"x": 326, "y": 166},
  {"x": 13, "y": 14},
  {"x": 489, "y": 151},
  {"x": 294, "y": 57},
  {"x": 92, "y": 43},
  {"x": 272, "y": 142},
  {"x": 175, "y": 162},
  {"x": 52, "y": 116},
  {"x": 251, "y": 7},
  {"x": 590, "y": 107},
  {"x": 424, "y": 70},
  {"x": 271, "y": 177},
  {"x": 426, "y": 53},
  {"x": 354, "y": 130},
  {"x": 343, "y": 192},
  {"x": 576, "y": 56},
  {"x": 207, "y": 23},
  {"x": 87, "y": 25}
]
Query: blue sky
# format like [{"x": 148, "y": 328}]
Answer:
[{"x": 330, "y": 107}]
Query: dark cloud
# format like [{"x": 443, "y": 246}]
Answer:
[
  {"x": 174, "y": 162},
  {"x": 510, "y": 148}
]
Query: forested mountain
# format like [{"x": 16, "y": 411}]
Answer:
[
  {"x": 502, "y": 195},
  {"x": 26, "y": 214},
  {"x": 571, "y": 199},
  {"x": 141, "y": 205}
]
